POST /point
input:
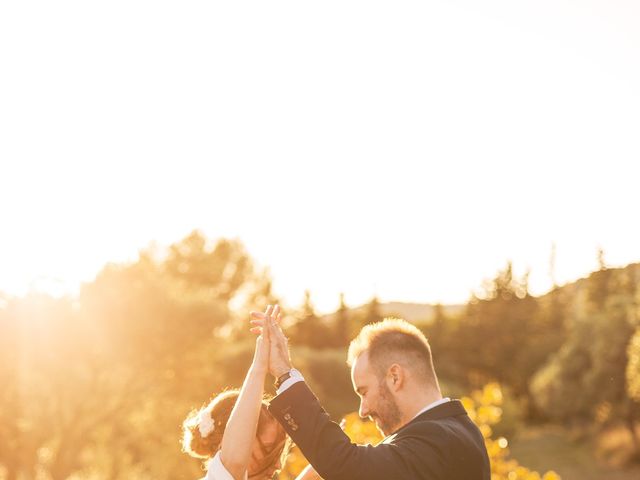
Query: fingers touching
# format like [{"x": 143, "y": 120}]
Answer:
[
  {"x": 268, "y": 324},
  {"x": 270, "y": 315}
]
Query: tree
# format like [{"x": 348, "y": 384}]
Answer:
[
  {"x": 372, "y": 313},
  {"x": 58, "y": 391},
  {"x": 633, "y": 386},
  {"x": 436, "y": 332},
  {"x": 599, "y": 285},
  {"x": 342, "y": 325},
  {"x": 101, "y": 382},
  {"x": 220, "y": 270},
  {"x": 497, "y": 330},
  {"x": 590, "y": 365},
  {"x": 309, "y": 329}
]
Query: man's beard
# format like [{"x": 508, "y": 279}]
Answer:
[{"x": 387, "y": 415}]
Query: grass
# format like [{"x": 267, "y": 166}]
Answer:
[{"x": 552, "y": 448}]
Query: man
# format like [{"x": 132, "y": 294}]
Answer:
[{"x": 427, "y": 437}]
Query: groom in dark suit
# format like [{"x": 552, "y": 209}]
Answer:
[{"x": 428, "y": 437}]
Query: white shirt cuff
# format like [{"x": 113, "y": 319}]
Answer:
[{"x": 294, "y": 377}]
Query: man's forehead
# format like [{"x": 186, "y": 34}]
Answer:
[{"x": 360, "y": 367}]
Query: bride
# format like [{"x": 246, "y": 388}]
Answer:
[{"x": 235, "y": 433}]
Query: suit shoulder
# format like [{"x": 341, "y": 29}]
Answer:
[
  {"x": 434, "y": 432},
  {"x": 421, "y": 434},
  {"x": 423, "y": 426}
]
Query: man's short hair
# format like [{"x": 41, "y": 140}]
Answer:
[{"x": 394, "y": 340}]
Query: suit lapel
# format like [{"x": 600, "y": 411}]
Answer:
[{"x": 449, "y": 409}]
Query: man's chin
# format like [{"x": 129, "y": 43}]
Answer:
[{"x": 381, "y": 428}]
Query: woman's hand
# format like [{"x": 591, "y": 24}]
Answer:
[
  {"x": 279, "y": 358},
  {"x": 263, "y": 343},
  {"x": 240, "y": 432}
]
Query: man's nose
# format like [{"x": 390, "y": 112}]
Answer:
[{"x": 364, "y": 410}]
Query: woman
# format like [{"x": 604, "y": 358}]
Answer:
[{"x": 235, "y": 432}]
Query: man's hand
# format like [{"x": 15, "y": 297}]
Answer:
[{"x": 279, "y": 359}]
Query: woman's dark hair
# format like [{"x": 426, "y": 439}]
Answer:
[{"x": 219, "y": 409}]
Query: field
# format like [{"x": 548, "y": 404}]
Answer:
[{"x": 545, "y": 448}]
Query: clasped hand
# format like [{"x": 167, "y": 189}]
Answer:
[{"x": 273, "y": 347}]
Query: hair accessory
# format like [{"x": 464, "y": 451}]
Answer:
[{"x": 206, "y": 424}]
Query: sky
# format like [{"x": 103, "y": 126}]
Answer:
[{"x": 401, "y": 149}]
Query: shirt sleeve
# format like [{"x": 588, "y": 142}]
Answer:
[
  {"x": 295, "y": 377},
  {"x": 217, "y": 471}
]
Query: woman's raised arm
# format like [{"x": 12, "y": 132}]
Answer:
[{"x": 240, "y": 431}]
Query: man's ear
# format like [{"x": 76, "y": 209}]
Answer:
[{"x": 395, "y": 377}]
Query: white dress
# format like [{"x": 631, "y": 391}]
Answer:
[{"x": 217, "y": 471}]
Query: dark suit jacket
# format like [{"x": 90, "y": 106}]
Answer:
[{"x": 439, "y": 444}]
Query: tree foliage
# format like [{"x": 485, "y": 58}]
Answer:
[
  {"x": 590, "y": 365},
  {"x": 99, "y": 385},
  {"x": 502, "y": 325}
]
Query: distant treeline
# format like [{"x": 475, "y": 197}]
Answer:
[
  {"x": 98, "y": 385},
  {"x": 571, "y": 356}
]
